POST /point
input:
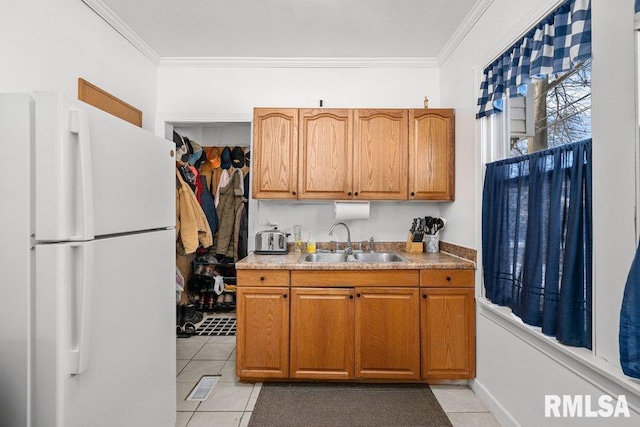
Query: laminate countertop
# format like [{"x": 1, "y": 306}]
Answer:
[{"x": 433, "y": 261}]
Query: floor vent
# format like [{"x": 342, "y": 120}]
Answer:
[{"x": 202, "y": 390}]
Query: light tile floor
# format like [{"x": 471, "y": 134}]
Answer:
[{"x": 231, "y": 402}]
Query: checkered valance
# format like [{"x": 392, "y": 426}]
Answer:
[{"x": 555, "y": 45}]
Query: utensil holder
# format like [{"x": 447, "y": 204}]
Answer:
[
  {"x": 432, "y": 243},
  {"x": 413, "y": 247}
]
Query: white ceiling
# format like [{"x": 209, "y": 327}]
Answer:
[{"x": 293, "y": 28}]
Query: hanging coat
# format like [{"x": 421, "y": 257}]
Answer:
[
  {"x": 208, "y": 205},
  {"x": 192, "y": 228},
  {"x": 231, "y": 199}
]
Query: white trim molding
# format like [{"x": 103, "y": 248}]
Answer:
[
  {"x": 467, "y": 24},
  {"x": 579, "y": 361},
  {"x": 121, "y": 27},
  {"x": 518, "y": 31},
  {"x": 268, "y": 62}
]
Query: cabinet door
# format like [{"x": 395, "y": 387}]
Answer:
[
  {"x": 387, "y": 333},
  {"x": 326, "y": 154},
  {"x": 322, "y": 333},
  {"x": 447, "y": 332},
  {"x": 380, "y": 154},
  {"x": 275, "y": 153},
  {"x": 431, "y": 154},
  {"x": 262, "y": 332}
]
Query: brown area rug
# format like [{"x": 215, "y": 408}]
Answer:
[{"x": 346, "y": 404}]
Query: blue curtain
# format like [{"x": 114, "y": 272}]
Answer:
[
  {"x": 629, "y": 335},
  {"x": 555, "y": 45},
  {"x": 536, "y": 239}
]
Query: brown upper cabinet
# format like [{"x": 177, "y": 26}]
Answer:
[
  {"x": 325, "y": 154},
  {"x": 431, "y": 154},
  {"x": 357, "y": 154},
  {"x": 275, "y": 153},
  {"x": 380, "y": 154}
]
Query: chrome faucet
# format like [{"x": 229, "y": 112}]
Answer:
[
  {"x": 347, "y": 249},
  {"x": 371, "y": 242}
]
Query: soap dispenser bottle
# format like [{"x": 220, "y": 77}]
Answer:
[{"x": 311, "y": 245}]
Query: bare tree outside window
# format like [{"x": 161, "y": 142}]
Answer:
[{"x": 561, "y": 110}]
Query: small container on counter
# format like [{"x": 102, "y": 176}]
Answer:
[{"x": 311, "y": 245}]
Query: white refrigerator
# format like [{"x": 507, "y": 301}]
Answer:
[{"x": 87, "y": 267}]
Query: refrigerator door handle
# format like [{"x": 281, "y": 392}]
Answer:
[
  {"x": 80, "y": 306},
  {"x": 79, "y": 124}
]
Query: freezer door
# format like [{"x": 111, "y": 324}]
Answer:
[
  {"x": 105, "y": 332},
  {"x": 96, "y": 174}
]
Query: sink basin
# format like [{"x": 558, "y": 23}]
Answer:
[
  {"x": 366, "y": 257},
  {"x": 378, "y": 257},
  {"x": 323, "y": 257}
]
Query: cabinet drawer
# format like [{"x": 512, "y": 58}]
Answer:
[
  {"x": 440, "y": 278},
  {"x": 263, "y": 277},
  {"x": 348, "y": 278}
]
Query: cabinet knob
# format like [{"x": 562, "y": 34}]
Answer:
[
  {"x": 424, "y": 296},
  {"x": 262, "y": 278},
  {"x": 350, "y": 296},
  {"x": 448, "y": 279},
  {"x": 358, "y": 295},
  {"x": 356, "y": 193},
  {"x": 293, "y": 192},
  {"x": 413, "y": 194},
  {"x": 284, "y": 296},
  {"x": 348, "y": 193}
]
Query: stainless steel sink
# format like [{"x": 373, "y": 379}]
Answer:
[
  {"x": 365, "y": 257},
  {"x": 381, "y": 257},
  {"x": 323, "y": 257}
]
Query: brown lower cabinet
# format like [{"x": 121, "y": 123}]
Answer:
[
  {"x": 361, "y": 332},
  {"x": 262, "y": 330},
  {"x": 322, "y": 333},
  {"x": 448, "y": 337},
  {"x": 387, "y": 333},
  {"x": 403, "y": 325}
]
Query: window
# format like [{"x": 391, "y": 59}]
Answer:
[
  {"x": 535, "y": 107},
  {"x": 555, "y": 111}
]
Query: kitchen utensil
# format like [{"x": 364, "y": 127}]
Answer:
[
  {"x": 429, "y": 222},
  {"x": 419, "y": 235}
]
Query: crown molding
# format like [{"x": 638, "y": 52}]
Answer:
[
  {"x": 119, "y": 25},
  {"x": 467, "y": 24},
  {"x": 537, "y": 14},
  {"x": 264, "y": 62}
]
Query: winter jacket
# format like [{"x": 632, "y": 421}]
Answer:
[
  {"x": 231, "y": 199},
  {"x": 208, "y": 205},
  {"x": 192, "y": 228}
]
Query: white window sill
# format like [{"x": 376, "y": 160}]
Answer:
[{"x": 581, "y": 361}]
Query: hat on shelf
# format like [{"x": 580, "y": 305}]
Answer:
[
  {"x": 225, "y": 158},
  {"x": 181, "y": 147},
  {"x": 247, "y": 157},
  {"x": 214, "y": 157},
  {"x": 197, "y": 153},
  {"x": 201, "y": 159},
  {"x": 187, "y": 143},
  {"x": 237, "y": 157}
]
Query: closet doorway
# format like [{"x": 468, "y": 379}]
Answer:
[{"x": 215, "y": 140}]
